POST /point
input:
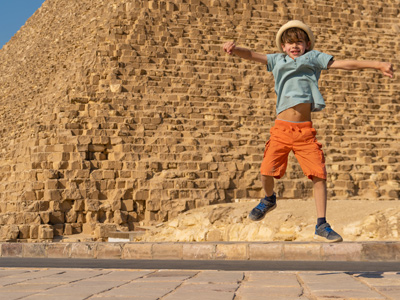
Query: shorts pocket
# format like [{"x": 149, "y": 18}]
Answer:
[
  {"x": 321, "y": 153},
  {"x": 266, "y": 147}
]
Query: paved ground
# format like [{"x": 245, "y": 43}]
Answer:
[
  {"x": 206, "y": 271},
  {"x": 222, "y": 265},
  {"x": 152, "y": 284}
]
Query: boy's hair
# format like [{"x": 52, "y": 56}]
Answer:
[{"x": 293, "y": 35}]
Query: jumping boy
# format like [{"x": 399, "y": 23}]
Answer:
[{"x": 296, "y": 72}]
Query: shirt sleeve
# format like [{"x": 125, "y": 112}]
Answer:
[
  {"x": 321, "y": 60},
  {"x": 271, "y": 61}
]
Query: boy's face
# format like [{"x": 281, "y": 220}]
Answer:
[{"x": 296, "y": 49}]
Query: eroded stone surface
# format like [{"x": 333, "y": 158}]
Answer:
[{"x": 292, "y": 220}]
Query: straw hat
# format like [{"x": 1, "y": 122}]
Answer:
[{"x": 294, "y": 24}]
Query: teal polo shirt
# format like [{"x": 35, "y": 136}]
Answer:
[{"x": 296, "y": 80}]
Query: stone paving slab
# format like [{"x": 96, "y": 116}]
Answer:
[
  {"x": 196, "y": 284},
  {"x": 277, "y": 251},
  {"x": 337, "y": 285}
]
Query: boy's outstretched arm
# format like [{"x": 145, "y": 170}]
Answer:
[
  {"x": 385, "y": 67},
  {"x": 230, "y": 48}
]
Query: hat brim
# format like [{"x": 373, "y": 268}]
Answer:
[{"x": 294, "y": 24}]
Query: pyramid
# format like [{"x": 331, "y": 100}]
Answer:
[{"x": 117, "y": 114}]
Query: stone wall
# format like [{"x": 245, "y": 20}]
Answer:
[{"x": 118, "y": 113}]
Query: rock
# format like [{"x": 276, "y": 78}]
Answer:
[{"x": 293, "y": 220}]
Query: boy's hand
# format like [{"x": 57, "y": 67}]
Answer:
[
  {"x": 229, "y": 47},
  {"x": 387, "y": 69}
]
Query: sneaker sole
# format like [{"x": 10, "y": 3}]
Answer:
[
  {"x": 325, "y": 240},
  {"x": 271, "y": 209}
]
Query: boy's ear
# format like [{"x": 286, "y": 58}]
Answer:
[
  {"x": 283, "y": 47},
  {"x": 308, "y": 45}
]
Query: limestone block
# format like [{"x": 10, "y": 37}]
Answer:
[
  {"x": 120, "y": 217},
  {"x": 88, "y": 228},
  {"x": 82, "y": 174},
  {"x": 71, "y": 216},
  {"x": 127, "y": 205},
  {"x": 33, "y": 207},
  {"x": 29, "y": 196},
  {"x": 57, "y": 217},
  {"x": 153, "y": 205},
  {"x": 50, "y": 174},
  {"x": 103, "y": 230},
  {"x": 116, "y": 88},
  {"x": 92, "y": 217},
  {"x": 72, "y": 194},
  {"x": 24, "y": 231},
  {"x": 141, "y": 195},
  {"x": 45, "y": 232},
  {"x": 9, "y": 232},
  {"x": 116, "y": 204},
  {"x": 52, "y": 195},
  {"x": 68, "y": 230},
  {"x": 12, "y": 206},
  {"x": 58, "y": 229},
  {"x": 34, "y": 231},
  {"x": 108, "y": 174},
  {"x": 96, "y": 175},
  {"x": 79, "y": 205},
  {"x": 92, "y": 205},
  {"x": 76, "y": 228},
  {"x": 45, "y": 217},
  {"x": 80, "y": 217},
  {"x": 153, "y": 216}
]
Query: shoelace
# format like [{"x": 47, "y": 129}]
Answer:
[{"x": 262, "y": 206}]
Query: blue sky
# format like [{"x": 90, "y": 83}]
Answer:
[{"x": 13, "y": 14}]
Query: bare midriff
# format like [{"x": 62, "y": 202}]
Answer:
[{"x": 298, "y": 113}]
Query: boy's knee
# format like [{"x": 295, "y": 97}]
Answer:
[
  {"x": 267, "y": 177},
  {"x": 317, "y": 179}
]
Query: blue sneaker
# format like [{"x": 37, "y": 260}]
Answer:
[
  {"x": 266, "y": 204},
  {"x": 325, "y": 233}
]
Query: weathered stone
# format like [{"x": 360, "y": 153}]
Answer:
[
  {"x": 45, "y": 232},
  {"x": 266, "y": 251},
  {"x": 11, "y": 250},
  {"x": 103, "y": 230},
  {"x": 83, "y": 250},
  {"x": 232, "y": 251},
  {"x": 59, "y": 250},
  {"x": 24, "y": 231},
  {"x": 108, "y": 250},
  {"x": 34, "y": 250},
  {"x": 140, "y": 123},
  {"x": 167, "y": 251},
  {"x": 137, "y": 251},
  {"x": 34, "y": 231}
]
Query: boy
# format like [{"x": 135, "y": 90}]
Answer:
[{"x": 296, "y": 71}]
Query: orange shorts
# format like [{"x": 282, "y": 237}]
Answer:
[{"x": 296, "y": 137}]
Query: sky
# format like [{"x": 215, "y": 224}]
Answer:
[{"x": 13, "y": 14}]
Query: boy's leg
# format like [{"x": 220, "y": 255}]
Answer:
[
  {"x": 268, "y": 185},
  {"x": 323, "y": 231},
  {"x": 273, "y": 165},
  {"x": 267, "y": 203},
  {"x": 311, "y": 158},
  {"x": 320, "y": 196}
]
